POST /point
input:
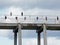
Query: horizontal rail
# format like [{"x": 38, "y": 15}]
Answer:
[{"x": 30, "y": 19}]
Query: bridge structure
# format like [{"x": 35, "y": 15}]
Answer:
[{"x": 34, "y": 22}]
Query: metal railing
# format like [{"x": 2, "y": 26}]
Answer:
[{"x": 30, "y": 19}]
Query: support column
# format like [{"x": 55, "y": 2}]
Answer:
[
  {"x": 19, "y": 35},
  {"x": 44, "y": 33},
  {"x": 15, "y": 36},
  {"x": 38, "y": 37}
]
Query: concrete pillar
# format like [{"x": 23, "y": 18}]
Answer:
[
  {"x": 44, "y": 33},
  {"x": 19, "y": 35},
  {"x": 15, "y": 36},
  {"x": 38, "y": 38},
  {"x": 38, "y": 31}
]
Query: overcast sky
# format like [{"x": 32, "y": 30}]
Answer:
[{"x": 30, "y": 7}]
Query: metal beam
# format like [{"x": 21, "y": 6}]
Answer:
[{"x": 44, "y": 33}]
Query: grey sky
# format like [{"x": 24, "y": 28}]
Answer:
[
  {"x": 45, "y": 4},
  {"x": 33, "y": 34}
]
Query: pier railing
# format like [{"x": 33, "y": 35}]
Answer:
[{"x": 30, "y": 19}]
